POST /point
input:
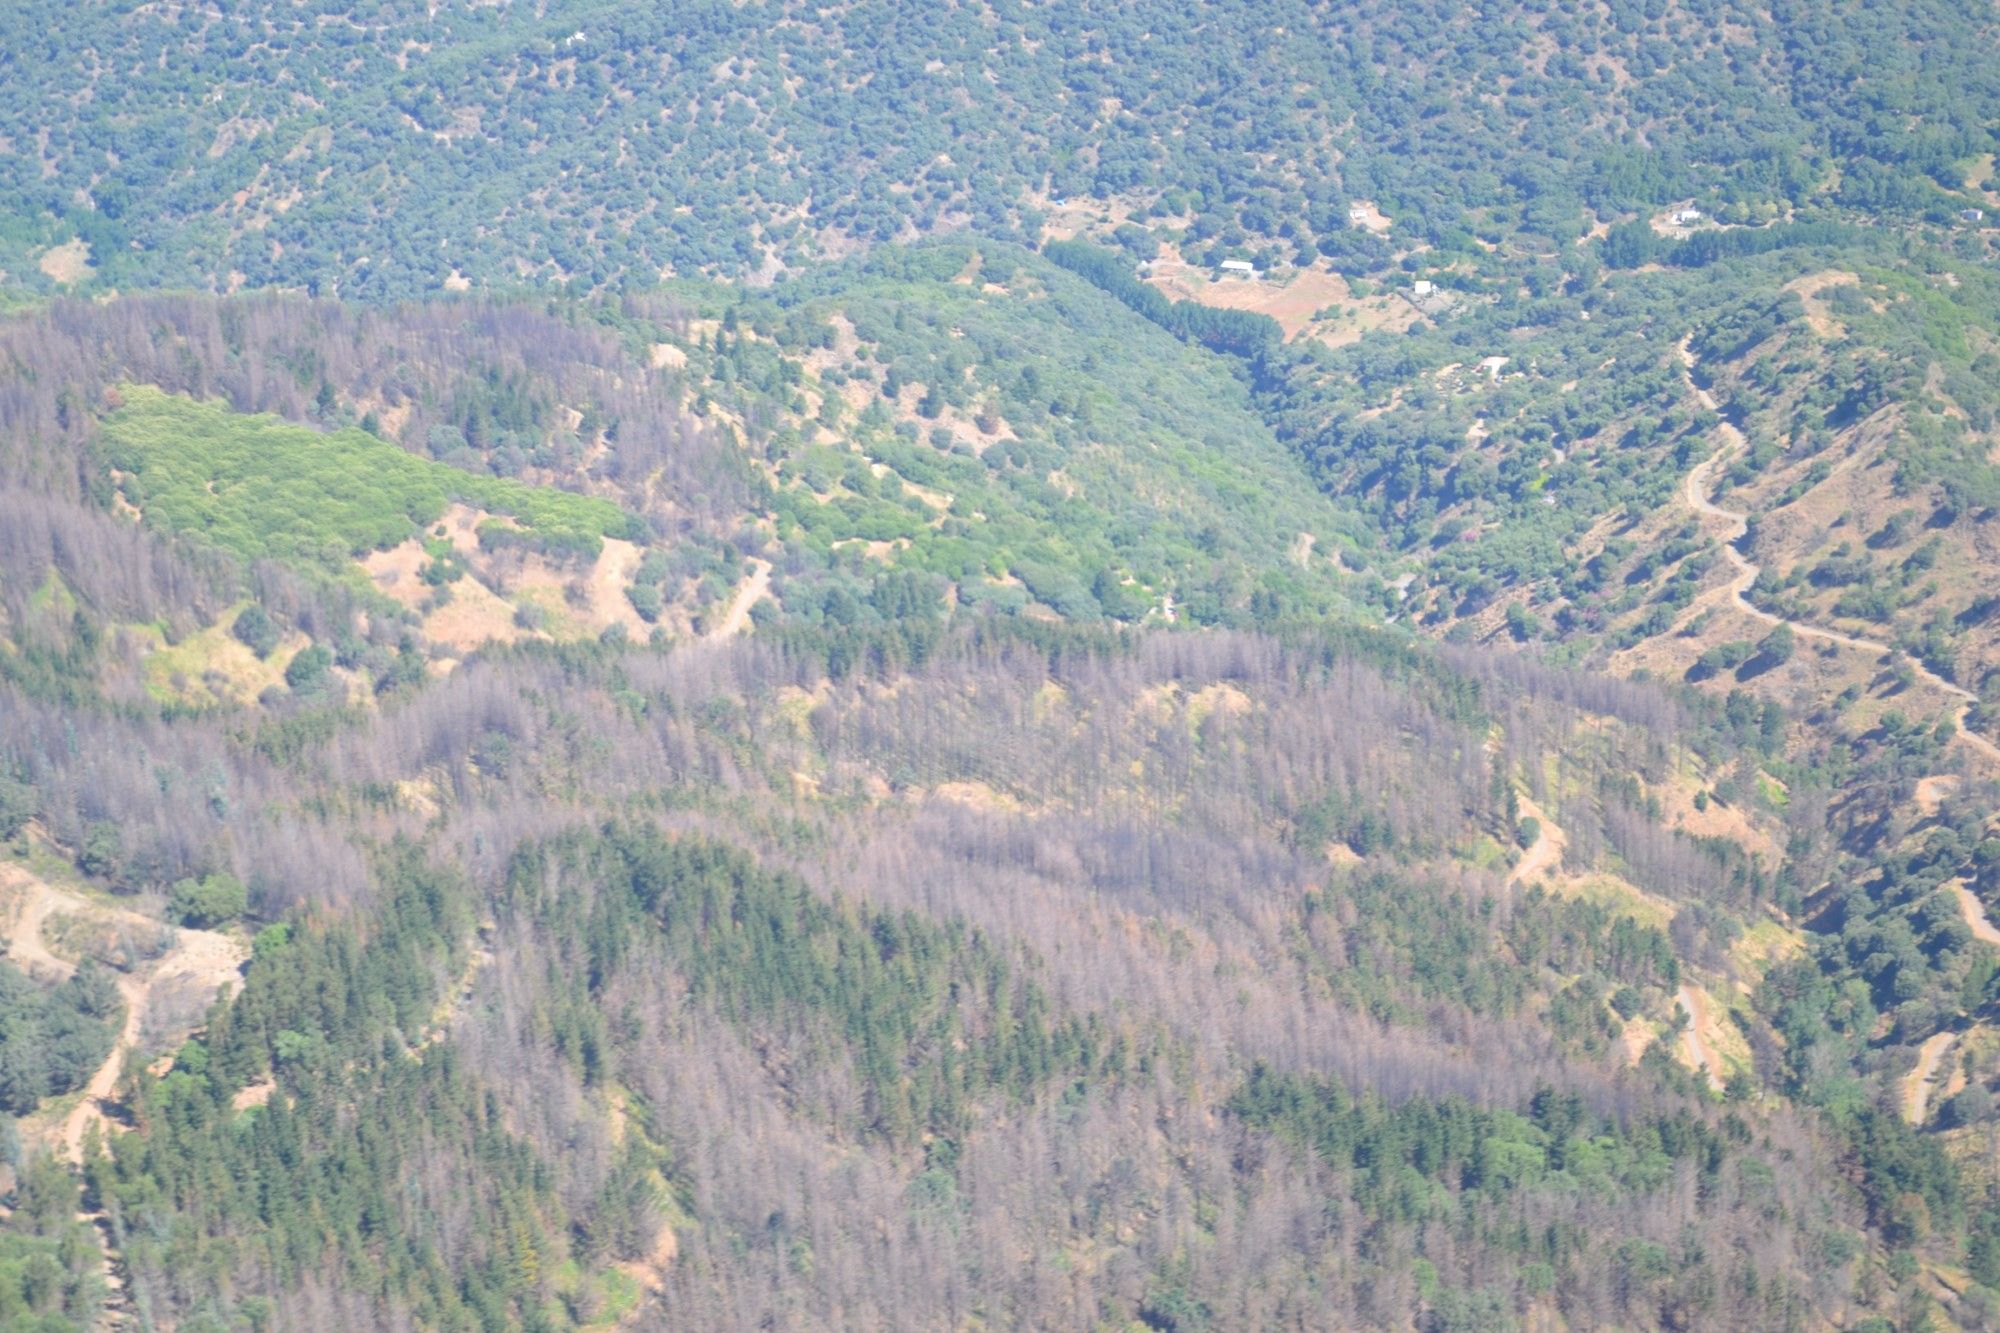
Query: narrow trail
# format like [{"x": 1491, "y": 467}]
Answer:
[
  {"x": 1975, "y": 916},
  {"x": 1694, "y": 1051},
  {"x": 737, "y": 619},
  {"x": 1917, "y": 1084},
  {"x": 1698, "y": 490}
]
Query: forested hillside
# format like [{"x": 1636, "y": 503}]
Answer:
[
  {"x": 993, "y": 665},
  {"x": 388, "y": 148}
]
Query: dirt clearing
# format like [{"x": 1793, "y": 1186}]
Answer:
[
  {"x": 1294, "y": 302},
  {"x": 1696, "y": 1044},
  {"x": 66, "y": 263}
]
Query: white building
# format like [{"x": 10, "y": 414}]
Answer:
[
  {"x": 1681, "y": 216},
  {"x": 1239, "y": 268},
  {"x": 1423, "y": 287}
]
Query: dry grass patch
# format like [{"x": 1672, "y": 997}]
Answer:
[
  {"x": 67, "y": 263},
  {"x": 976, "y": 795},
  {"x": 474, "y": 616},
  {"x": 1617, "y": 894},
  {"x": 211, "y": 666}
]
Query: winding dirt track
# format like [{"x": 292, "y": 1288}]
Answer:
[
  {"x": 211, "y": 960},
  {"x": 1699, "y": 488},
  {"x": 1546, "y": 856}
]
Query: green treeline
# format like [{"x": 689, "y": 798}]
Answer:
[
  {"x": 1631, "y": 244},
  {"x": 935, "y": 1017},
  {"x": 300, "y": 1185},
  {"x": 1451, "y": 1144},
  {"x": 1240, "y": 332},
  {"x": 259, "y": 486}
]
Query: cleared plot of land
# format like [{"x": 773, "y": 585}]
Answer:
[
  {"x": 1296, "y": 302},
  {"x": 66, "y": 263}
]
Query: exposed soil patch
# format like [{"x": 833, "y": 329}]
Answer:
[
  {"x": 1975, "y": 916},
  {"x": 1932, "y": 791},
  {"x": 1295, "y": 302},
  {"x": 609, "y": 577},
  {"x": 1540, "y": 860},
  {"x": 200, "y": 961},
  {"x": 66, "y": 263},
  {"x": 474, "y": 616},
  {"x": 1918, "y": 1083},
  {"x": 737, "y": 618},
  {"x": 1697, "y": 1038}
]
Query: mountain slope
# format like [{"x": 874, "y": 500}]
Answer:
[{"x": 390, "y": 148}]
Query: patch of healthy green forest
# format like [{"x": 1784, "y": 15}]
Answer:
[{"x": 259, "y": 486}]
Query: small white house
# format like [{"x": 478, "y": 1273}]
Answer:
[
  {"x": 1357, "y": 215},
  {"x": 1239, "y": 268},
  {"x": 1682, "y": 216},
  {"x": 1971, "y": 214},
  {"x": 1423, "y": 287}
]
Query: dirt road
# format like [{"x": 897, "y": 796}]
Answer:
[
  {"x": 737, "y": 618},
  {"x": 1547, "y": 853},
  {"x": 1694, "y": 1050},
  {"x": 195, "y": 958},
  {"x": 1975, "y": 916},
  {"x": 1699, "y": 489},
  {"x": 1917, "y": 1084}
]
